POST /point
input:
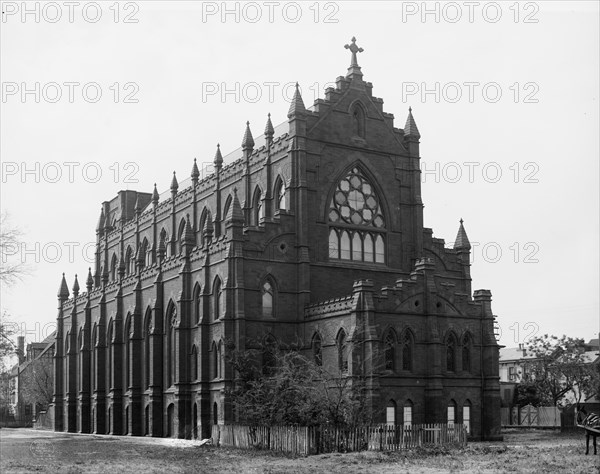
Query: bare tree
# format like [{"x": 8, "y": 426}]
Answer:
[
  {"x": 37, "y": 382},
  {"x": 11, "y": 269}
]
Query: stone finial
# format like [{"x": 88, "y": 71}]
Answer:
[
  {"x": 462, "y": 241},
  {"x": 235, "y": 213},
  {"x": 89, "y": 283},
  {"x": 155, "y": 195},
  {"x": 100, "y": 225},
  {"x": 410, "y": 129},
  {"x": 188, "y": 234},
  {"x": 195, "y": 172},
  {"x": 75, "y": 287},
  {"x": 297, "y": 104},
  {"x": 137, "y": 208},
  {"x": 247, "y": 141},
  {"x": 218, "y": 161},
  {"x": 269, "y": 130},
  {"x": 174, "y": 184},
  {"x": 63, "y": 290}
]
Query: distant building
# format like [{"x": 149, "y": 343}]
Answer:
[
  {"x": 21, "y": 375},
  {"x": 513, "y": 365}
]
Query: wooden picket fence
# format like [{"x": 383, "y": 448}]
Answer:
[{"x": 303, "y": 440}]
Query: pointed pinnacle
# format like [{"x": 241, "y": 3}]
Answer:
[
  {"x": 269, "y": 130},
  {"x": 297, "y": 104},
  {"x": 247, "y": 141},
  {"x": 188, "y": 233},
  {"x": 63, "y": 290},
  {"x": 195, "y": 171},
  {"x": 235, "y": 213},
  {"x": 462, "y": 241},
  {"x": 90, "y": 280},
  {"x": 155, "y": 195},
  {"x": 218, "y": 161},
  {"x": 100, "y": 225},
  {"x": 174, "y": 184},
  {"x": 76, "y": 286},
  {"x": 410, "y": 129}
]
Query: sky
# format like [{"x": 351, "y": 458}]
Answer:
[{"x": 103, "y": 96}]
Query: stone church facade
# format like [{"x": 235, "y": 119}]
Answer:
[{"x": 312, "y": 234}]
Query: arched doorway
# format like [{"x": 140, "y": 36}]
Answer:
[
  {"x": 147, "y": 421},
  {"x": 195, "y": 422},
  {"x": 126, "y": 428},
  {"x": 215, "y": 414},
  {"x": 171, "y": 421}
]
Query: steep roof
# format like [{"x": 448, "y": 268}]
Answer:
[{"x": 513, "y": 353}]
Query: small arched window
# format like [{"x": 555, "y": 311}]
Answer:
[
  {"x": 466, "y": 353},
  {"x": 267, "y": 299},
  {"x": 226, "y": 208},
  {"x": 144, "y": 254},
  {"x": 342, "y": 347},
  {"x": 407, "y": 414},
  {"x": 281, "y": 196},
  {"x": 197, "y": 304},
  {"x": 390, "y": 413},
  {"x": 451, "y": 353},
  {"x": 451, "y": 412},
  {"x": 358, "y": 121},
  {"x": 113, "y": 268},
  {"x": 389, "y": 352},
  {"x": 180, "y": 235},
  {"x": 129, "y": 262},
  {"x": 467, "y": 416},
  {"x": 317, "y": 350},
  {"x": 147, "y": 362},
  {"x": 215, "y": 361},
  {"x": 407, "y": 351},
  {"x": 257, "y": 206},
  {"x": 194, "y": 363},
  {"x": 217, "y": 299}
]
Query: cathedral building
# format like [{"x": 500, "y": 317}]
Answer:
[{"x": 313, "y": 233}]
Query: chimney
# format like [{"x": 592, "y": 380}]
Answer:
[{"x": 21, "y": 348}]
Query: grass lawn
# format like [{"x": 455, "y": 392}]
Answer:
[{"x": 23, "y": 450}]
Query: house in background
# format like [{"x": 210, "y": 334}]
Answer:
[
  {"x": 513, "y": 367},
  {"x": 22, "y": 412}
]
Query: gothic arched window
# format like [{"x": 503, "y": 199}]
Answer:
[
  {"x": 281, "y": 195},
  {"x": 466, "y": 353},
  {"x": 113, "y": 267},
  {"x": 407, "y": 351},
  {"x": 257, "y": 206},
  {"x": 389, "y": 352},
  {"x": 197, "y": 303},
  {"x": 356, "y": 219},
  {"x": 145, "y": 257},
  {"x": 267, "y": 299},
  {"x": 217, "y": 299},
  {"x": 129, "y": 262},
  {"x": 451, "y": 412},
  {"x": 194, "y": 363},
  {"x": 226, "y": 208},
  {"x": 170, "y": 323},
  {"x": 342, "y": 347},
  {"x": 317, "y": 351},
  {"x": 451, "y": 353},
  {"x": 358, "y": 121}
]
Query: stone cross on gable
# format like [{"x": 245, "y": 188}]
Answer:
[{"x": 354, "y": 49}]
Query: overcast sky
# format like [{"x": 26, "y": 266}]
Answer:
[{"x": 100, "y": 97}]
